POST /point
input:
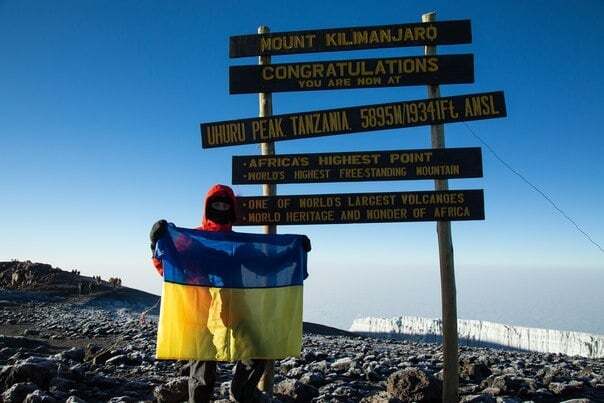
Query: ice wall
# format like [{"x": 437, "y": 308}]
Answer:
[{"x": 479, "y": 333}]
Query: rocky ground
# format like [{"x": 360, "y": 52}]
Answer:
[{"x": 57, "y": 351}]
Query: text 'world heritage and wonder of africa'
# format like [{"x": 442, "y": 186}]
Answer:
[{"x": 450, "y": 205}]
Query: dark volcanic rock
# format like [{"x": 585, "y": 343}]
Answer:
[
  {"x": 17, "y": 392},
  {"x": 380, "y": 397},
  {"x": 478, "y": 399},
  {"x": 33, "y": 369},
  {"x": 291, "y": 390},
  {"x": 475, "y": 371},
  {"x": 39, "y": 396},
  {"x": 173, "y": 391},
  {"x": 508, "y": 384},
  {"x": 73, "y": 354},
  {"x": 412, "y": 384},
  {"x": 315, "y": 379}
]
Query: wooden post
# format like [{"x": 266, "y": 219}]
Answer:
[
  {"x": 265, "y": 108},
  {"x": 447, "y": 269}
]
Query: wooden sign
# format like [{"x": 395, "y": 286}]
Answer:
[
  {"x": 359, "y": 73},
  {"x": 354, "y": 38},
  {"x": 446, "y": 163},
  {"x": 353, "y": 208},
  {"x": 353, "y": 120}
]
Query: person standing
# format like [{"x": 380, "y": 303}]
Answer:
[{"x": 219, "y": 215}]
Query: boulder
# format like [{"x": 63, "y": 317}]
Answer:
[
  {"x": 343, "y": 364},
  {"x": 291, "y": 390},
  {"x": 33, "y": 369},
  {"x": 39, "y": 396},
  {"x": 61, "y": 384},
  {"x": 476, "y": 372},
  {"x": 173, "y": 391},
  {"x": 566, "y": 389},
  {"x": 315, "y": 379},
  {"x": 17, "y": 392},
  {"x": 412, "y": 384},
  {"x": 122, "y": 399},
  {"x": 478, "y": 399},
  {"x": 380, "y": 397},
  {"x": 102, "y": 357},
  {"x": 509, "y": 384},
  {"x": 121, "y": 359},
  {"x": 73, "y": 354}
]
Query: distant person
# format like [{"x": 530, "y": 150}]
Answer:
[{"x": 220, "y": 215}]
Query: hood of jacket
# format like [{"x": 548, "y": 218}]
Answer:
[{"x": 215, "y": 191}]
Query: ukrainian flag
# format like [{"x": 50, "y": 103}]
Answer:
[{"x": 230, "y": 296}]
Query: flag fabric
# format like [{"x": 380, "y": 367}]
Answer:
[{"x": 229, "y": 296}]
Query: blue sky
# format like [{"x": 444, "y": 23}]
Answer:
[{"x": 99, "y": 130}]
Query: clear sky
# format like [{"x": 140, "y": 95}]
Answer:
[{"x": 101, "y": 101}]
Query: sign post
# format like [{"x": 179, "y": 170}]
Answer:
[
  {"x": 447, "y": 269},
  {"x": 265, "y": 109},
  {"x": 438, "y": 163}
]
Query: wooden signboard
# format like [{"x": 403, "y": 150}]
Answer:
[
  {"x": 353, "y": 208},
  {"x": 446, "y": 163},
  {"x": 358, "y": 73},
  {"x": 353, "y": 120},
  {"x": 354, "y": 38}
]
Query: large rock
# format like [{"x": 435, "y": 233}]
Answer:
[
  {"x": 173, "y": 391},
  {"x": 315, "y": 379},
  {"x": 380, "y": 397},
  {"x": 478, "y": 399},
  {"x": 342, "y": 364},
  {"x": 509, "y": 384},
  {"x": 73, "y": 354},
  {"x": 61, "y": 384},
  {"x": 103, "y": 356},
  {"x": 17, "y": 392},
  {"x": 291, "y": 390},
  {"x": 39, "y": 396},
  {"x": 33, "y": 369},
  {"x": 475, "y": 371},
  {"x": 122, "y": 399},
  {"x": 412, "y": 384}
]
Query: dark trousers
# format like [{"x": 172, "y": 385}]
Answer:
[{"x": 244, "y": 389}]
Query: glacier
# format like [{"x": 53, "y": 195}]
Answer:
[{"x": 482, "y": 333}]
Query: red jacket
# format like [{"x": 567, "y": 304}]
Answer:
[{"x": 206, "y": 224}]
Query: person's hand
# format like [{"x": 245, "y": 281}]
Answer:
[
  {"x": 157, "y": 231},
  {"x": 306, "y": 243}
]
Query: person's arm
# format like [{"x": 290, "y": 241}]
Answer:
[{"x": 158, "y": 229}]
